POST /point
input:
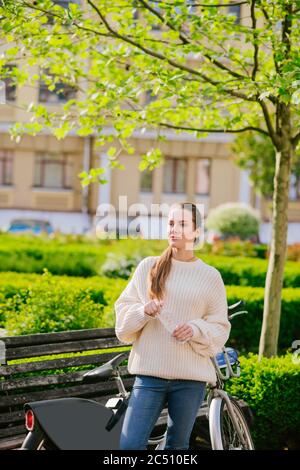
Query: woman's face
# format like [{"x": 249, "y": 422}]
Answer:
[{"x": 181, "y": 233}]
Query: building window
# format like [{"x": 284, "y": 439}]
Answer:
[
  {"x": 175, "y": 175},
  {"x": 61, "y": 93},
  {"x": 53, "y": 171},
  {"x": 146, "y": 181},
  {"x": 10, "y": 87},
  {"x": 202, "y": 176},
  {"x": 6, "y": 167},
  {"x": 236, "y": 11}
]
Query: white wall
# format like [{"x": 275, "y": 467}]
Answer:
[{"x": 293, "y": 232}]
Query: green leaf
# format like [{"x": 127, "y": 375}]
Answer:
[{"x": 111, "y": 151}]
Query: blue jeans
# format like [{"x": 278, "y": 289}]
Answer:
[{"x": 148, "y": 397}]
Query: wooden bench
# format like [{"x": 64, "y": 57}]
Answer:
[{"x": 50, "y": 378}]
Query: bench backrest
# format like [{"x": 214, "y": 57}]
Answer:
[{"x": 41, "y": 379}]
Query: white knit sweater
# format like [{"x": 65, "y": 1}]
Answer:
[{"x": 194, "y": 294}]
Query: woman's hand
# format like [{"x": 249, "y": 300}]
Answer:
[
  {"x": 153, "y": 307},
  {"x": 183, "y": 332}
]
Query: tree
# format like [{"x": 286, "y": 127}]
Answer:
[{"x": 208, "y": 71}]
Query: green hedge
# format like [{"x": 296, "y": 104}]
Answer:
[
  {"x": 40, "y": 304},
  {"x": 271, "y": 387},
  {"x": 72, "y": 303},
  {"x": 246, "y": 329},
  {"x": 250, "y": 271},
  {"x": 68, "y": 260},
  {"x": 84, "y": 260},
  {"x": 64, "y": 257}
]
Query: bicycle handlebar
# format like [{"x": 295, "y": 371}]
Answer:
[
  {"x": 240, "y": 303},
  {"x": 236, "y": 314},
  {"x": 229, "y": 371}
]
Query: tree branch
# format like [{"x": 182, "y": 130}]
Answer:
[
  {"x": 148, "y": 7},
  {"x": 164, "y": 58},
  {"x": 203, "y": 4},
  {"x": 186, "y": 40},
  {"x": 243, "y": 129},
  {"x": 255, "y": 57}
]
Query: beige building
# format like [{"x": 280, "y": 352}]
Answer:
[{"x": 39, "y": 175}]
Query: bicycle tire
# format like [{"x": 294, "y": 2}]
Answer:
[{"x": 222, "y": 432}]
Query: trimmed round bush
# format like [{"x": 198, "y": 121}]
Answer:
[{"x": 234, "y": 219}]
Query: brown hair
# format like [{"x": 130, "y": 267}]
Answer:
[{"x": 160, "y": 270}]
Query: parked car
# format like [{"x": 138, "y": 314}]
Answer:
[{"x": 34, "y": 226}]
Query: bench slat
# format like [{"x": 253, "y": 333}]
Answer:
[
  {"x": 56, "y": 348},
  {"x": 76, "y": 391},
  {"x": 12, "y": 417},
  {"x": 35, "y": 366},
  {"x": 13, "y": 431},
  {"x": 62, "y": 378},
  {"x": 10, "y": 443},
  {"x": 61, "y": 336},
  {"x": 30, "y": 382}
]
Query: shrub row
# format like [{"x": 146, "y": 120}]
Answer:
[
  {"x": 32, "y": 303},
  {"x": 32, "y": 255},
  {"x": 233, "y": 246},
  {"x": 271, "y": 387},
  {"x": 36, "y": 304},
  {"x": 116, "y": 259},
  {"x": 251, "y": 272}
]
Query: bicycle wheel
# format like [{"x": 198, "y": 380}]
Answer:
[
  {"x": 222, "y": 431},
  {"x": 157, "y": 440}
]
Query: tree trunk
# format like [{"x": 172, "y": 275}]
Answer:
[{"x": 274, "y": 280}]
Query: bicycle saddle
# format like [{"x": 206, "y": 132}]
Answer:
[{"x": 105, "y": 370}]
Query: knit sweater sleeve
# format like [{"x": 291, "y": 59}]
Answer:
[
  {"x": 212, "y": 331},
  {"x": 129, "y": 308}
]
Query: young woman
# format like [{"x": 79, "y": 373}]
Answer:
[{"x": 172, "y": 366}]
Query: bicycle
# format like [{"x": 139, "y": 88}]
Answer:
[
  {"x": 51, "y": 423},
  {"x": 228, "y": 428}
]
